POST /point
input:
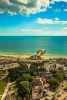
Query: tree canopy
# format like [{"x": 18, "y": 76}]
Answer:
[
  {"x": 59, "y": 76},
  {"x": 54, "y": 83},
  {"x": 24, "y": 89},
  {"x": 26, "y": 77}
]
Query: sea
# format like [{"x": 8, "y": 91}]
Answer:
[{"x": 54, "y": 45}]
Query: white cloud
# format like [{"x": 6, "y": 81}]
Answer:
[
  {"x": 30, "y": 30},
  {"x": 33, "y": 32},
  {"x": 50, "y": 21},
  {"x": 57, "y": 10},
  {"x": 44, "y": 32},
  {"x": 57, "y": 19},
  {"x": 50, "y": 7},
  {"x": 23, "y": 1},
  {"x": 46, "y": 28},
  {"x": 42, "y": 10},
  {"x": 24, "y": 7},
  {"x": 65, "y": 10},
  {"x": 65, "y": 28}
]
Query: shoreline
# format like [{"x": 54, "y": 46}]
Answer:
[{"x": 45, "y": 56}]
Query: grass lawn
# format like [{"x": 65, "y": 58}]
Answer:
[{"x": 3, "y": 84}]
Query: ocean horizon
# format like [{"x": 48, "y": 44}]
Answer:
[{"x": 54, "y": 45}]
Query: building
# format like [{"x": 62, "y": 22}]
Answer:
[{"x": 35, "y": 57}]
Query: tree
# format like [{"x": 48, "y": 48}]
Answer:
[
  {"x": 23, "y": 66},
  {"x": 24, "y": 89},
  {"x": 42, "y": 69},
  {"x": 13, "y": 74},
  {"x": 59, "y": 76},
  {"x": 30, "y": 71},
  {"x": 54, "y": 83},
  {"x": 34, "y": 68},
  {"x": 26, "y": 77}
]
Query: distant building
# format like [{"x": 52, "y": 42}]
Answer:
[{"x": 35, "y": 57}]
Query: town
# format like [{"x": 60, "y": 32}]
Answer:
[{"x": 33, "y": 78}]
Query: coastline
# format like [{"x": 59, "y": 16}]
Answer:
[{"x": 45, "y": 56}]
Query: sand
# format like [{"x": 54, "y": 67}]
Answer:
[{"x": 28, "y": 55}]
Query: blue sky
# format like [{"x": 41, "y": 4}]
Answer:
[{"x": 33, "y": 17}]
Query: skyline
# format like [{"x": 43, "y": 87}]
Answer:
[{"x": 33, "y": 18}]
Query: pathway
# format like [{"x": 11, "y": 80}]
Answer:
[{"x": 5, "y": 92}]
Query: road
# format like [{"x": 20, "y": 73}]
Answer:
[{"x": 5, "y": 92}]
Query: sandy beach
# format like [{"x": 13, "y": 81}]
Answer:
[{"x": 28, "y": 55}]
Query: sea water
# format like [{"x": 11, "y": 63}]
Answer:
[{"x": 54, "y": 45}]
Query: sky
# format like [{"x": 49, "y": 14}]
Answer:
[{"x": 33, "y": 17}]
